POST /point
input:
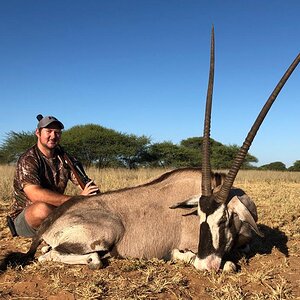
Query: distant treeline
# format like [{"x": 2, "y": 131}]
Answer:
[{"x": 101, "y": 147}]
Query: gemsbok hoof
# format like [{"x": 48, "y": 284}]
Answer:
[
  {"x": 45, "y": 249},
  {"x": 229, "y": 267},
  {"x": 94, "y": 262}
]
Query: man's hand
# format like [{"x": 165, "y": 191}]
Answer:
[{"x": 90, "y": 189}]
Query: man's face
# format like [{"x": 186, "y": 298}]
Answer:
[{"x": 50, "y": 136}]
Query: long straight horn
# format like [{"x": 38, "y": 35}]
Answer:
[
  {"x": 239, "y": 159},
  {"x": 206, "y": 167}
]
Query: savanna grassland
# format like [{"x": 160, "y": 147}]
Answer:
[{"x": 270, "y": 271}]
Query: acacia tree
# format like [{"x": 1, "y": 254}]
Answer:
[
  {"x": 222, "y": 156},
  {"x": 94, "y": 144},
  {"x": 275, "y": 166},
  {"x": 167, "y": 154},
  {"x": 91, "y": 144},
  {"x": 133, "y": 150},
  {"x": 15, "y": 144},
  {"x": 295, "y": 166},
  {"x": 196, "y": 143}
]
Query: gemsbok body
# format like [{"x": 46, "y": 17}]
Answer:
[
  {"x": 188, "y": 214},
  {"x": 146, "y": 221}
]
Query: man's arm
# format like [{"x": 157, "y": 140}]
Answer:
[{"x": 36, "y": 193}]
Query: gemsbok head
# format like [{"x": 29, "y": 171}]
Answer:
[{"x": 217, "y": 231}]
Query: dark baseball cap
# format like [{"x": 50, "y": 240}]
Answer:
[{"x": 46, "y": 121}]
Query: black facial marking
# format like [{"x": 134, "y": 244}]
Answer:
[
  {"x": 222, "y": 238},
  {"x": 208, "y": 205},
  {"x": 225, "y": 224},
  {"x": 205, "y": 247}
]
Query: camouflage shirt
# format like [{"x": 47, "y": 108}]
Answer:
[{"x": 33, "y": 167}]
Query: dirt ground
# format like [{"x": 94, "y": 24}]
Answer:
[{"x": 270, "y": 271}]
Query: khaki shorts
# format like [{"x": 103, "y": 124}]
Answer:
[{"x": 22, "y": 227}]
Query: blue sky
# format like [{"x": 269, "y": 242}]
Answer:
[{"x": 141, "y": 67}]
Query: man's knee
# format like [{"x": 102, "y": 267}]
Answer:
[
  {"x": 37, "y": 212},
  {"x": 22, "y": 226}
]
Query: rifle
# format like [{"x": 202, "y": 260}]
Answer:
[{"x": 76, "y": 168}]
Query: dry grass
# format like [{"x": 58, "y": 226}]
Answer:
[
  {"x": 6, "y": 182},
  {"x": 270, "y": 271}
]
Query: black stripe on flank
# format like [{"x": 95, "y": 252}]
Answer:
[{"x": 70, "y": 248}]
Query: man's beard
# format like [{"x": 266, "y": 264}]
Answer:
[{"x": 50, "y": 145}]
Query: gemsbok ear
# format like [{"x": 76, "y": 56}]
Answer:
[
  {"x": 189, "y": 203},
  {"x": 243, "y": 213}
]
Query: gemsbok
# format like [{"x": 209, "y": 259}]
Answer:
[{"x": 160, "y": 218}]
